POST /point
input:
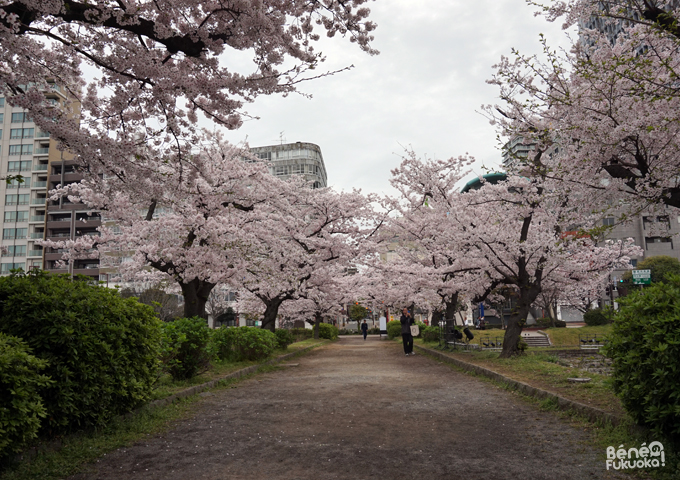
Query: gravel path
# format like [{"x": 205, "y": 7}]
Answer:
[{"x": 355, "y": 410}]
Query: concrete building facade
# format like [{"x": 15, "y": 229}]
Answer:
[
  {"x": 297, "y": 158},
  {"x": 28, "y": 216}
]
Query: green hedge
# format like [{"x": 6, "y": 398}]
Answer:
[
  {"x": 21, "y": 407},
  {"x": 244, "y": 343},
  {"x": 284, "y": 338},
  {"x": 328, "y": 331},
  {"x": 101, "y": 350},
  {"x": 185, "y": 352},
  {"x": 302, "y": 333},
  {"x": 595, "y": 317},
  {"x": 430, "y": 334},
  {"x": 393, "y": 329},
  {"x": 645, "y": 348}
]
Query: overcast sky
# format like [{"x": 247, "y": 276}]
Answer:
[{"x": 424, "y": 90}]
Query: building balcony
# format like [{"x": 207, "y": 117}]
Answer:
[
  {"x": 40, "y": 167},
  {"x": 38, "y": 201},
  {"x": 41, "y": 151},
  {"x": 37, "y": 218},
  {"x": 36, "y": 235},
  {"x": 39, "y": 184},
  {"x": 35, "y": 253}
]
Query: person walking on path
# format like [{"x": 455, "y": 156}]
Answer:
[
  {"x": 406, "y": 322},
  {"x": 364, "y": 329}
]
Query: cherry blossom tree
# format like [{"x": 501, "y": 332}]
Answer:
[
  {"x": 521, "y": 229},
  {"x": 432, "y": 261},
  {"x": 157, "y": 67},
  {"x": 311, "y": 230},
  {"x": 604, "y": 115},
  {"x": 184, "y": 221}
]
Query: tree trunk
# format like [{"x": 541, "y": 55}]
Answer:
[
  {"x": 517, "y": 320},
  {"x": 196, "y": 293},
  {"x": 436, "y": 318},
  {"x": 451, "y": 306},
  {"x": 270, "y": 314},
  {"x": 317, "y": 322}
]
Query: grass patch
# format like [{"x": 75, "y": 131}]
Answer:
[
  {"x": 542, "y": 370},
  {"x": 569, "y": 337}
]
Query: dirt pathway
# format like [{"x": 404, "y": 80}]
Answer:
[{"x": 355, "y": 410}]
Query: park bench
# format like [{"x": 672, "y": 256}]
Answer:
[
  {"x": 591, "y": 341},
  {"x": 491, "y": 343}
]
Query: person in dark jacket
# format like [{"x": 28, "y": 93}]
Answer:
[
  {"x": 364, "y": 329},
  {"x": 406, "y": 322}
]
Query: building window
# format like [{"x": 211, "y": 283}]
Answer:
[
  {"x": 14, "y": 233},
  {"x": 20, "y": 149},
  {"x": 15, "y": 251},
  {"x": 7, "y": 267},
  {"x": 21, "y": 117},
  {"x": 608, "y": 222},
  {"x": 2, "y": 101},
  {"x": 649, "y": 240},
  {"x": 21, "y": 133},
  {"x": 21, "y": 216},
  {"x": 16, "y": 166},
  {"x": 633, "y": 262}
]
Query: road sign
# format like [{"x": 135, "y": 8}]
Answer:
[{"x": 642, "y": 277}]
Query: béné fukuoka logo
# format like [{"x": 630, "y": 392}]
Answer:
[{"x": 644, "y": 457}]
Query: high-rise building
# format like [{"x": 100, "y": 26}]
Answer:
[
  {"x": 27, "y": 214},
  {"x": 295, "y": 159}
]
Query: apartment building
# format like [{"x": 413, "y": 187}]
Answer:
[
  {"x": 295, "y": 159},
  {"x": 27, "y": 214}
]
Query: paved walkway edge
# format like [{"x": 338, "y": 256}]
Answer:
[
  {"x": 237, "y": 374},
  {"x": 591, "y": 413}
]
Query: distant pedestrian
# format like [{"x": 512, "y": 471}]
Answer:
[
  {"x": 364, "y": 329},
  {"x": 406, "y": 322}
]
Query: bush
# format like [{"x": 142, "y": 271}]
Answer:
[
  {"x": 543, "y": 322},
  {"x": 430, "y": 334},
  {"x": 20, "y": 381},
  {"x": 302, "y": 333},
  {"x": 328, "y": 331},
  {"x": 101, "y": 350},
  {"x": 645, "y": 348},
  {"x": 284, "y": 338},
  {"x": 560, "y": 324},
  {"x": 374, "y": 331},
  {"x": 244, "y": 343},
  {"x": 394, "y": 329},
  {"x": 185, "y": 351},
  {"x": 595, "y": 317}
]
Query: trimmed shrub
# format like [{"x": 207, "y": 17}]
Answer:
[
  {"x": 101, "y": 350},
  {"x": 560, "y": 324},
  {"x": 430, "y": 334},
  {"x": 394, "y": 329},
  {"x": 595, "y": 317},
  {"x": 244, "y": 343},
  {"x": 328, "y": 331},
  {"x": 374, "y": 331},
  {"x": 302, "y": 333},
  {"x": 284, "y": 338},
  {"x": 21, "y": 406},
  {"x": 185, "y": 352},
  {"x": 645, "y": 348}
]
